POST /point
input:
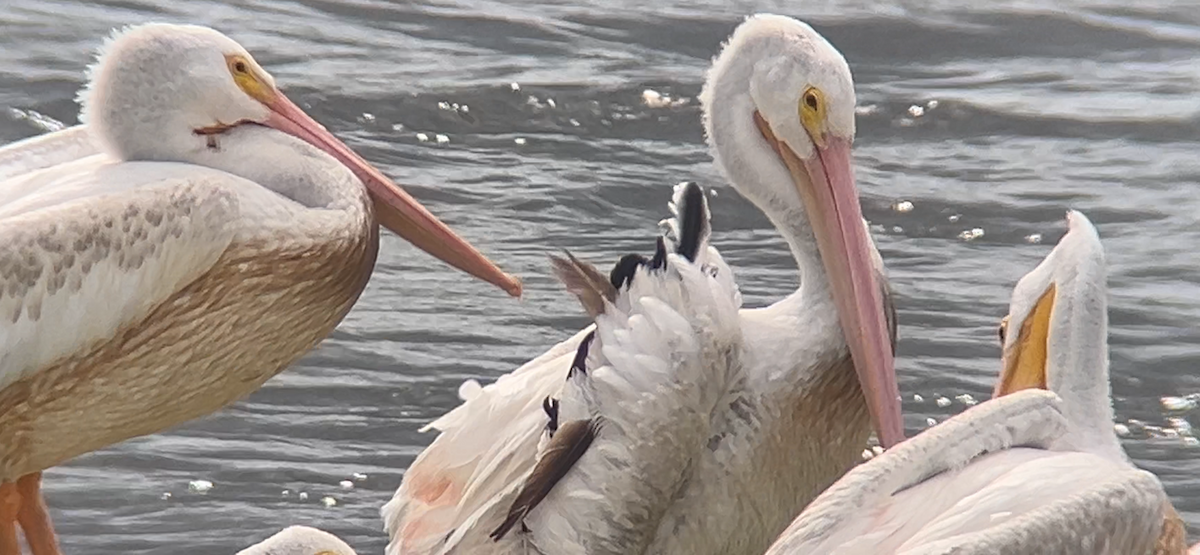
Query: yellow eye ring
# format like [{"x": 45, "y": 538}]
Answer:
[
  {"x": 248, "y": 79},
  {"x": 812, "y": 114}
]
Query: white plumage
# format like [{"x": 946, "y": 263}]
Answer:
[
  {"x": 763, "y": 407},
  {"x": 192, "y": 238},
  {"x": 100, "y": 261},
  {"x": 1004, "y": 477},
  {"x": 661, "y": 364},
  {"x": 43, "y": 151},
  {"x": 300, "y": 540},
  {"x": 637, "y": 380}
]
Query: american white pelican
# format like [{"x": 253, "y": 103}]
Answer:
[
  {"x": 300, "y": 540},
  {"x": 798, "y": 384},
  {"x": 1028, "y": 472},
  {"x": 217, "y": 235}
]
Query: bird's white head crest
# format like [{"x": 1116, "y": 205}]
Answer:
[
  {"x": 157, "y": 82},
  {"x": 300, "y": 540},
  {"x": 795, "y": 78},
  {"x": 776, "y": 79}
]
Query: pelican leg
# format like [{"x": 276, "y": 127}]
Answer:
[
  {"x": 10, "y": 505},
  {"x": 33, "y": 516}
]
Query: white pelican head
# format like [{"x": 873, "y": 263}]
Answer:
[
  {"x": 779, "y": 115},
  {"x": 300, "y": 540},
  {"x": 1055, "y": 336},
  {"x": 162, "y": 92}
]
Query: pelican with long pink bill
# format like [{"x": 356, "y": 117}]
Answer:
[
  {"x": 195, "y": 236},
  {"x": 529, "y": 464}
]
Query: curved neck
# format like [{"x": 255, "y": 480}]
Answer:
[
  {"x": 299, "y": 188},
  {"x": 284, "y": 165},
  {"x": 275, "y": 160},
  {"x": 754, "y": 169},
  {"x": 1078, "y": 361},
  {"x": 814, "y": 290}
]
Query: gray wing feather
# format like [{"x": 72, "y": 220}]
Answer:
[
  {"x": 1120, "y": 517},
  {"x": 43, "y": 151},
  {"x": 1026, "y": 418},
  {"x": 88, "y": 267}
]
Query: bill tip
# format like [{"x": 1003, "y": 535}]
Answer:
[{"x": 513, "y": 286}]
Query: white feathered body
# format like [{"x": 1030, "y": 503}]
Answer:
[
  {"x": 708, "y": 445},
  {"x": 138, "y": 295},
  {"x": 718, "y": 425},
  {"x": 987, "y": 481},
  {"x": 1027, "y": 472}
]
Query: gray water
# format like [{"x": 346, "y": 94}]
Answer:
[{"x": 995, "y": 120}]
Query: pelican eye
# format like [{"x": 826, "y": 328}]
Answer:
[
  {"x": 812, "y": 103},
  {"x": 1003, "y": 330},
  {"x": 251, "y": 81},
  {"x": 238, "y": 65},
  {"x": 812, "y": 114},
  {"x": 810, "y": 98}
]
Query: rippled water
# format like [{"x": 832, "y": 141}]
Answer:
[{"x": 993, "y": 120}]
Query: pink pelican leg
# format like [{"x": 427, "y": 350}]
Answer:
[
  {"x": 10, "y": 504},
  {"x": 21, "y": 503},
  {"x": 33, "y": 516}
]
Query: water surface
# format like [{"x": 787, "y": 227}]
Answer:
[{"x": 990, "y": 121}]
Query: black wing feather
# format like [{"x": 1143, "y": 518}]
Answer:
[
  {"x": 693, "y": 224},
  {"x": 565, "y": 449}
]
